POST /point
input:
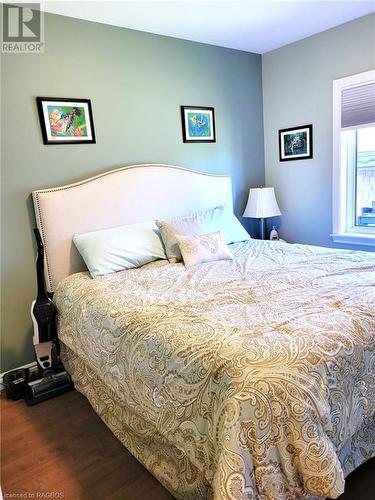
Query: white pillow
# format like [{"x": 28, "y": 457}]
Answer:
[
  {"x": 208, "y": 221},
  {"x": 197, "y": 249},
  {"x": 118, "y": 248}
]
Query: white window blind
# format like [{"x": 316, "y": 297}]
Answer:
[{"x": 358, "y": 105}]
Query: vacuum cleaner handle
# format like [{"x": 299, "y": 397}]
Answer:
[
  {"x": 42, "y": 292},
  {"x": 39, "y": 242}
]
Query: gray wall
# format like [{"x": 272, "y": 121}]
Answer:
[
  {"x": 297, "y": 90},
  {"x": 136, "y": 82}
]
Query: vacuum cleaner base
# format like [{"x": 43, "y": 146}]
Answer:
[{"x": 47, "y": 387}]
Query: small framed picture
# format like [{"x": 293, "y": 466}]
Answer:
[
  {"x": 296, "y": 143},
  {"x": 66, "y": 121},
  {"x": 198, "y": 124}
]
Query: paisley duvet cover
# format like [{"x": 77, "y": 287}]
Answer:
[{"x": 244, "y": 379}]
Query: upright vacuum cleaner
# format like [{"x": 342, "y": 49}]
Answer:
[{"x": 49, "y": 378}]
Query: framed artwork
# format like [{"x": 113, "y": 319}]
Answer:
[
  {"x": 296, "y": 143},
  {"x": 66, "y": 121},
  {"x": 198, "y": 124}
]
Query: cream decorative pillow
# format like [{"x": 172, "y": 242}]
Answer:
[{"x": 196, "y": 249}]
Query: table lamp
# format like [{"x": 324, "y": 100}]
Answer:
[{"x": 261, "y": 205}]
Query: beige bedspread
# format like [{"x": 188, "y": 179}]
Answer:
[{"x": 247, "y": 379}]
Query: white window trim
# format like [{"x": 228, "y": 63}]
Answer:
[{"x": 340, "y": 233}]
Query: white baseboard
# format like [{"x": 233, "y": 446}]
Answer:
[{"x": 29, "y": 365}]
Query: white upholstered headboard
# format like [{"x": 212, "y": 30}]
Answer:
[{"x": 127, "y": 195}]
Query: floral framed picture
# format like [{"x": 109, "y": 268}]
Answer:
[
  {"x": 66, "y": 121},
  {"x": 198, "y": 124},
  {"x": 296, "y": 143}
]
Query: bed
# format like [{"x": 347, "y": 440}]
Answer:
[{"x": 252, "y": 378}]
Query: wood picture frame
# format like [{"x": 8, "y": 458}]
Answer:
[
  {"x": 66, "y": 120},
  {"x": 198, "y": 124},
  {"x": 296, "y": 143}
]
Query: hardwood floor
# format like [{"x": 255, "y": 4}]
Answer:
[{"x": 62, "y": 446}]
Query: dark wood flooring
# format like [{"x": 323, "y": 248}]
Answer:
[{"x": 62, "y": 446}]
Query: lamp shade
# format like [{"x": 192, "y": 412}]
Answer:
[{"x": 261, "y": 203}]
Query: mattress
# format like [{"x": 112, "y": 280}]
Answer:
[{"x": 252, "y": 378}]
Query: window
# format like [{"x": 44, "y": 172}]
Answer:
[{"x": 354, "y": 159}]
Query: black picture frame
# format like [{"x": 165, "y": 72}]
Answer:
[
  {"x": 205, "y": 110},
  {"x": 297, "y": 132},
  {"x": 46, "y": 125}
]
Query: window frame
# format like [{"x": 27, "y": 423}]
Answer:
[{"x": 342, "y": 231}]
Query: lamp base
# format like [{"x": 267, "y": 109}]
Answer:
[{"x": 262, "y": 228}]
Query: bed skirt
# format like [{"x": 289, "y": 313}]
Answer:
[{"x": 167, "y": 463}]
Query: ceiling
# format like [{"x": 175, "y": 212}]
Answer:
[{"x": 254, "y": 26}]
